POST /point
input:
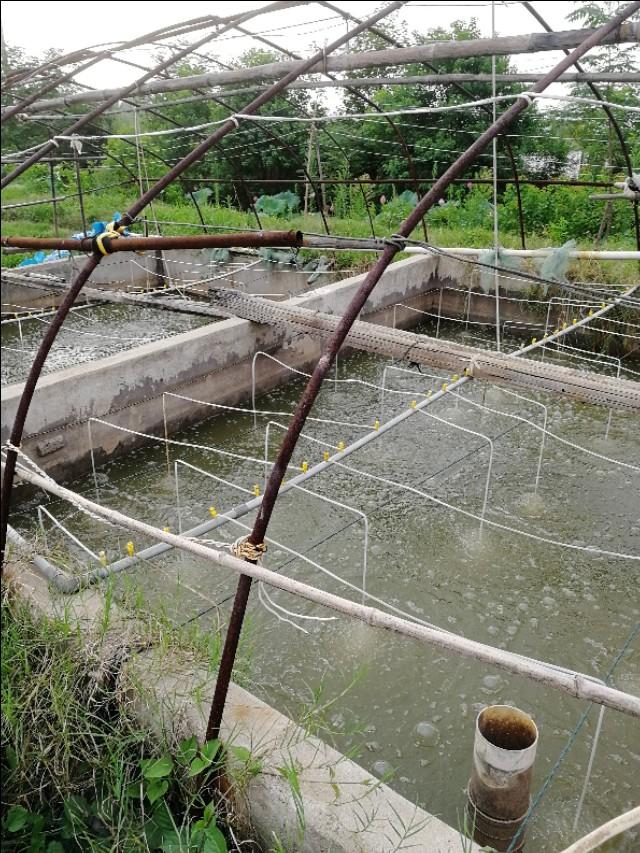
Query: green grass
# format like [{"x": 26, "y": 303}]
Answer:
[
  {"x": 444, "y": 230},
  {"x": 75, "y": 762}
]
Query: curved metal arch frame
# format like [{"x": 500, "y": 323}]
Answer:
[
  {"x": 609, "y": 113},
  {"x": 508, "y": 147}
]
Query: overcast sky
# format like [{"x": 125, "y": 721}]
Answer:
[{"x": 37, "y": 26}]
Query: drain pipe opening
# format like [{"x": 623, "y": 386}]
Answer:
[{"x": 499, "y": 790}]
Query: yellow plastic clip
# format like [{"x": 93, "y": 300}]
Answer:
[
  {"x": 102, "y": 557},
  {"x": 429, "y": 392},
  {"x": 376, "y": 425},
  {"x": 413, "y": 404},
  {"x": 166, "y": 529},
  {"x": 213, "y": 511},
  {"x": 325, "y": 455},
  {"x": 444, "y": 386},
  {"x": 602, "y": 305},
  {"x": 130, "y": 549},
  {"x": 341, "y": 446},
  {"x": 467, "y": 372},
  {"x": 574, "y": 321},
  {"x": 455, "y": 377},
  {"x": 256, "y": 490},
  {"x": 564, "y": 325},
  {"x": 305, "y": 467},
  {"x": 534, "y": 340},
  {"x": 591, "y": 312}
]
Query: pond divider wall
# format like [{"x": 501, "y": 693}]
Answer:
[{"x": 211, "y": 363}]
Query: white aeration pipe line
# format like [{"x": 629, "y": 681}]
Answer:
[{"x": 579, "y": 254}]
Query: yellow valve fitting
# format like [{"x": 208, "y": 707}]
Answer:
[
  {"x": 102, "y": 557},
  {"x": 305, "y": 467},
  {"x": 325, "y": 455},
  {"x": 256, "y": 490},
  {"x": 130, "y": 549},
  {"x": 213, "y": 511},
  {"x": 341, "y": 446},
  {"x": 413, "y": 404},
  {"x": 376, "y": 425}
]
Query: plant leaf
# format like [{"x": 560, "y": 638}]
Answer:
[
  {"x": 187, "y": 751},
  {"x": 198, "y": 765},
  {"x": 210, "y": 749},
  {"x": 156, "y": 789},
  {"x": 17, "y": 818},
  {"x": 214, "y": 841},
  {"x": 159, "y": 829},
  {"x": 157, "y": 769},
  {"x": 241, "y": 753}
]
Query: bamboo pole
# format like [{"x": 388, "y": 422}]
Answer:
[
  {"x": 621, "y": 79},
  {"x": 610, "y": 829},
  {"x": 574, "y": 684},
  {"x": 431, "y": 51}
]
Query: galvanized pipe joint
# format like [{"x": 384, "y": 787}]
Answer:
[{"x": 499, "y": 791}]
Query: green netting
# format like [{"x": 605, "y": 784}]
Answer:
[
  {"x": 497, "y": 258},
  {"x": 555, "y": 265}
]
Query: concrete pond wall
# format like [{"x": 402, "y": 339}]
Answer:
[
  {"x": 128, "y": 271},
  {"x": 211, "y": 363}
]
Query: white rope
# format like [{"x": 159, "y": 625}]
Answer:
[
  {"x": 163, "y": 440},
  {"x": 470, "y": 105},
  {"x": 549, "y": 434},
  {"x": 588, "y": 549}
]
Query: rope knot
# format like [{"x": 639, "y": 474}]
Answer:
[
  {"x": 246, "y": 550},
  {"x": 396, "y": 240}
]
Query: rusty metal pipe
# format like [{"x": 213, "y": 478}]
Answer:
[
  {"x": 608, "y": 112},
  {"x": 127, "y": 90},
  {"x": 337, "y": 339},
  {"x": 84, "y": 274},
  {"x": 499, "y": 790},
  {"x": 140, "y": 244}
]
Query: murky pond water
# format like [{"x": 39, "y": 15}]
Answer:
[
  {"x": 89, "y": 334},
  {"x": 405, "y": 706}
]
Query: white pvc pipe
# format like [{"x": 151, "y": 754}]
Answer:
[{"x": 581, "y": 254}]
